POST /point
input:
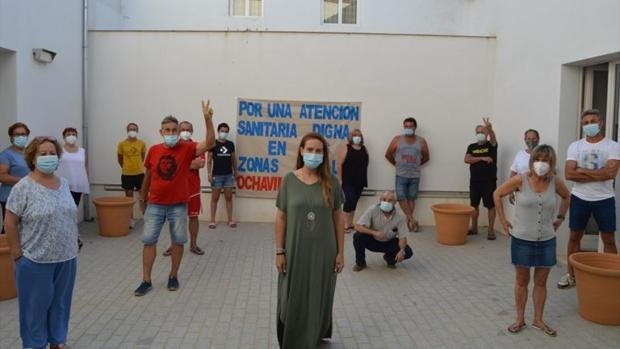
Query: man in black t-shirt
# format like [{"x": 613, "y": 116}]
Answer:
[
  {"x": 222, "y": 170},
  {"x": 482, "y": 159}
]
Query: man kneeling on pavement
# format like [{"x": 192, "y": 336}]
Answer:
[{"x": 382, "y": 228}]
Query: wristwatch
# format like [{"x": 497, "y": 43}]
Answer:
[{"x": 560, "y": 216}]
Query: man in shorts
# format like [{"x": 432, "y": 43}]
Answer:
[
  {"x": 222, "y": 170},
  {"x": 164, "y": 194},
  {"x": 592, "y": 163},
  {"x": 194, "y": 205},
  {"x": 482, "y": 159},
  {"x": 130, "y": 156},
  {"x": 408, "y": 152}
]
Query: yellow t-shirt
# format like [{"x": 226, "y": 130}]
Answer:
[{"x": 132, "y": 153}]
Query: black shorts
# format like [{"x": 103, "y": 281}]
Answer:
[
  {"x": 481, "y": 190},
  {"x": 352, "y": 195},
  {"x": 133, "y": 182}
]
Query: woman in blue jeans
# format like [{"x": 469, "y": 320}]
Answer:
[
  {"x": 532, "y": 237},
  {"x": 41, "y": 227}
]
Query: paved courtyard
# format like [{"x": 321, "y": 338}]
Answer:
[{"x": 445, "y": 297}]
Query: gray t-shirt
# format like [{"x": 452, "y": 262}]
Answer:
[
  {"x": 48, "y": 221},
  {"x": 394, "y": 225}
]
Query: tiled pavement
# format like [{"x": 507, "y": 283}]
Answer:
[{"x": 445, "y": 297}]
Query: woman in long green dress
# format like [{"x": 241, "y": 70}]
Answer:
[{"x": 309, "y": 247}]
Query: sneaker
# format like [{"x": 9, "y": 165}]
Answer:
[
  {"x": 132, "y": 223},
  {"x": 389, "y": 265},
  {"x": 143, "y": 289},
  {"x": 566, "y": 281},
  {"x": 359, "y": 267},
  {"x": 173, "y": 284}
]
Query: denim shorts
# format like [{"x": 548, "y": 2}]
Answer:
[
  {"x": 223, "y": 181},
  {"x": 604, "y": 212},
  {"x": 532, "y": 254},
  {"x": 407, "y": 188},
  {"x": 156, "y": 215}
]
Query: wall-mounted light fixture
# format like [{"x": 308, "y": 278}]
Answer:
[{"x": 43, "y": 55}]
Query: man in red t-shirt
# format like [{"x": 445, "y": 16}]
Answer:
[
  {"x": 194, "y": 205},
  {"x": 164, "y": 194}
]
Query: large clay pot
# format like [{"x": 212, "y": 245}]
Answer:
[
  {"x": 452, "y": 222},
  {"x": 7, "y": 271},
  {"x": 598, "y": 286},
  {"x": 113, "y": 215}
]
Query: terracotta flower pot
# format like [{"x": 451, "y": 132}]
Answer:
[
  {"x": 8, "y": 290},
  {"x": 451, "y": 222},
  {"x": 113, "y": 215},
  {"x": 598, "y": 286}
]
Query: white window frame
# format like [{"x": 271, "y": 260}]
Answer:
[
  {"x": 357, "y": 14},
  {"x": 247, "y": 9}
]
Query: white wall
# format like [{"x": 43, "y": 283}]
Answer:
[
  {"x": 47, "y": 96},
  {"x": 446, "y": 17}
]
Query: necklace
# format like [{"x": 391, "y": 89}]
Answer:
[{"x": 310, "y": 215}]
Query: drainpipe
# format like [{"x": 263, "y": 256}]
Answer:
[{"x": 87, "y": 215}]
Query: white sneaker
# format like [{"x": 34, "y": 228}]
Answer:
[
  {"x": 566, "y": 281},
  {"x": 132, "y": 223}
]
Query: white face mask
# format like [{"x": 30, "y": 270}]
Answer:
[
  {"x": 71, "y": 139},
  {"x": 541, "y": 168},
  {"x": 185, "y": 135},
  {"x": 132, "y": 134},
  {"x": 223, "y": 135},
  {"x": 356, "y": 139},
  {"x": 481, "y": 137}
]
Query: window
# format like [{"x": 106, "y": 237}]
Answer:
[
  {"x": 340, "y": 11},
  {"x": 246, "y": 8}
]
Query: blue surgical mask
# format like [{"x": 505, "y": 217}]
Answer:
[
  {"x": 171, "y": 140},
  {"x": 356, "y": 140},
  {"x": 408, "y": 131},
  {"x": 386, "y": 206},
  {"x": 223, "y": 135},
  {"x": 20, "y": 141},
  {"x": 47, "y": 163},
  {"x": 591, "y": 130},
  {"x": 312, "y": 160}
]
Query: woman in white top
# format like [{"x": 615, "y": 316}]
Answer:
[
  {"x": 521, "y": 163},
  {"x": 72, "y": 165}
]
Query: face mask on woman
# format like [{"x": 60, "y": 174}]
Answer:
[
  {"x": 185, "y": 135},
  {"x": 171, "y": 140},
  {"x": 47, "y": 163},
  {"x": 357, "y": 140},
  {"x": 71, "y": 139},
  {"x": 312, "y": 160},
  {"x": 20, "y": 141},
  {"x": 531, "y": 144},
  {"x": 591, "y": 130},
  {"x": 541, "y": 168},
  {"x": 386, "y": 206}
]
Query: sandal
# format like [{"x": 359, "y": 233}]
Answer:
[
  {"x": 232, "y": 224},
  {"x": 168, "y": 252},
  {"x": 197, "y": 250},
  {"x": 416, "y": 226},
  {"x": 491, "y": 236},
  {"x": 546, "y": 329},
  {"x": 212, "y": 225},
  {"x": 349, "y": 230},
  {"x": 472, "y": 232},
  {"x": 516, "y": 328}
]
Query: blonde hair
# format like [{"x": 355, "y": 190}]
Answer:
[{"x": 544, "y": 150}]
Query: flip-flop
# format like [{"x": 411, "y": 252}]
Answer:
[
  {"x": 546, "y": 329},
  {"x": 232, "y": 224},
  {"x": 212, "y": 225},
  {"x": 472, "y": 232},
  {"x": 167, "y": 253},
  {"x": 197, "y": 250},
  {"x": 516, "y": 328},
  {"x": 491, "y": 236},
  {"x": 416, "y": 225}
]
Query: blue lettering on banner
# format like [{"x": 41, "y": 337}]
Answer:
[
  {"x": 250, "y": 108},
  {"x": 329, "y": 112},
  {"x": 279, "y": 110},
  {"x": 330, "y": 131},
  {"x": 276, "y": 148},
  {"x": 258, "y": 164},
  {"x": 266, "y": 129}
]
